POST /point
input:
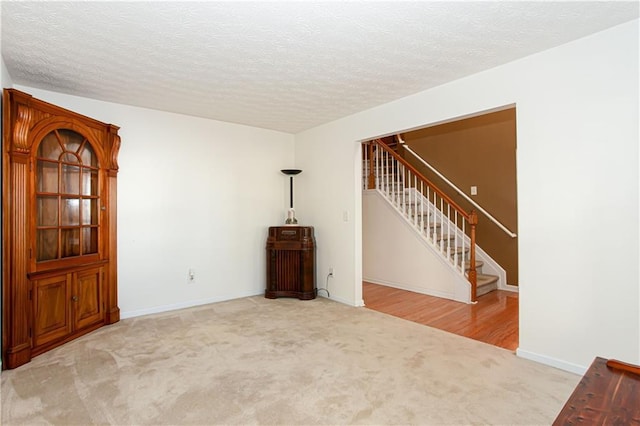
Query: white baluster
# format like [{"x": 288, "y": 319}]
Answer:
[
  {"x": 441, "y": 222},
  {"x": 366, "y": 166},
  {"x": 385, "y": 170},
  {"x": 435, "y": 217},
  {"x": 381, "y": 169},
  {"x": 377, "y": 169},
  {"x": 427, "y": 193},
  {"x": 386, "y": 174},
  {"x": 394, "y": 174},
  {"x": 448, "y": 242},
  {"x": 401, "y": 188},
  {"x": 455, "y": 238},
  {"x": 392, "y": 188},
  {"x": 415, "y": 191},
  {"x": 464, "y": 242},
  {"x": 391, "y": 179}
]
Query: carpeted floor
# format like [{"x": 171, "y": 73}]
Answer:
[{"x": 283, "y": 361}]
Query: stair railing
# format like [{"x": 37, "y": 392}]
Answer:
[{"x": 440, "y": 219}]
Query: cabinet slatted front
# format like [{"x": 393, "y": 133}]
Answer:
[{"x": 291, "y": 262}]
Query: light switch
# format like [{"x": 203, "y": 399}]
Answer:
[{"x": 474, "y": 190}]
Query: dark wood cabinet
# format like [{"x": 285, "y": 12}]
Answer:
[
  {"x": 291, "y": 262},
  {"x": 59, "y": 231},
  {"x": 66, "y": 303}
]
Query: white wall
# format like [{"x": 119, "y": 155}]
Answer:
[
  {"x": 394, "y": 254},
  {"x": 192, "y": 193},
  {"x": 577, "y": 124},
  {"x": 5, "y": 78}
]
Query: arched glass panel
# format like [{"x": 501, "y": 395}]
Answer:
[
  {"x": 88, "y": 157},
  {"x": 50, "y": 147},
  {"x": 70, "y": 140},
  {"x": 67, "y": 197}
]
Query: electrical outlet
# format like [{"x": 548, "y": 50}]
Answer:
[
  {"x": 191, "y": 276},
  {"x": 331, "y": 271}
]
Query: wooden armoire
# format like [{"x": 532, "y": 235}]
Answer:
[{"x": 59, "y": 273}]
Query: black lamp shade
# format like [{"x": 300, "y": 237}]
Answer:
[{"x": 292, "y": 172}]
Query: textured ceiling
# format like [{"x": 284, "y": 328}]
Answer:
[{"x": 286, "y": 66}]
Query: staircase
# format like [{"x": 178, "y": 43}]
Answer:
[{"x": 435, "y": 217}]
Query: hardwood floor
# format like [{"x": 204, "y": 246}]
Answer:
[{"x": 493, "y": 320}]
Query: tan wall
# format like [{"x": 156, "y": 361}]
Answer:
[{"x": 479, "y": 151}]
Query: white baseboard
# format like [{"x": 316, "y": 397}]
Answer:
[
  {"x": 414, "y": 289},
  {"x": 183, "y": 305},
  {"x": 552, "y": 362},
  {"x": 340, "y": 300},
  {"x": 193, "y": 303}
]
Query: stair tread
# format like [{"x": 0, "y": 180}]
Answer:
[
  {"x": 459, "y": 249},
  {"x": 445, "y": 237},
  {"x": 467, "y": 265},
  {"x": 432, "y": 225}
]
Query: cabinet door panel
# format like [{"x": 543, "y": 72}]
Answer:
[
  {"x": 88, "y": 290},
  {"x": 51, "y": 307}
]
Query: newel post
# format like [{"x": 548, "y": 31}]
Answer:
[
  {"x": 372, "y": 178},
  {"x": 473, "y": 275}
]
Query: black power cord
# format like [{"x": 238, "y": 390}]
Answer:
[{"x": 330, "y": 274}]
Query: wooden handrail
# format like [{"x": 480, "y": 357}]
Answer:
[{"x": 421, "y": 177}]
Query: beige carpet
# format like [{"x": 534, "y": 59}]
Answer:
[{"x": 284, "y": 361}]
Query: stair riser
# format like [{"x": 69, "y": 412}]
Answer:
[{"x": 482, "y": 290}]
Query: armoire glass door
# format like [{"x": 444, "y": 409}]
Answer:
[{"x": 67, "y": 197}]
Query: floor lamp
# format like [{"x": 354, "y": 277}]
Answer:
[{"x": 291, "y": 214}]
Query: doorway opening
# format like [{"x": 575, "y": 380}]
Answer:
[{"x": 472, "y": 160}]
